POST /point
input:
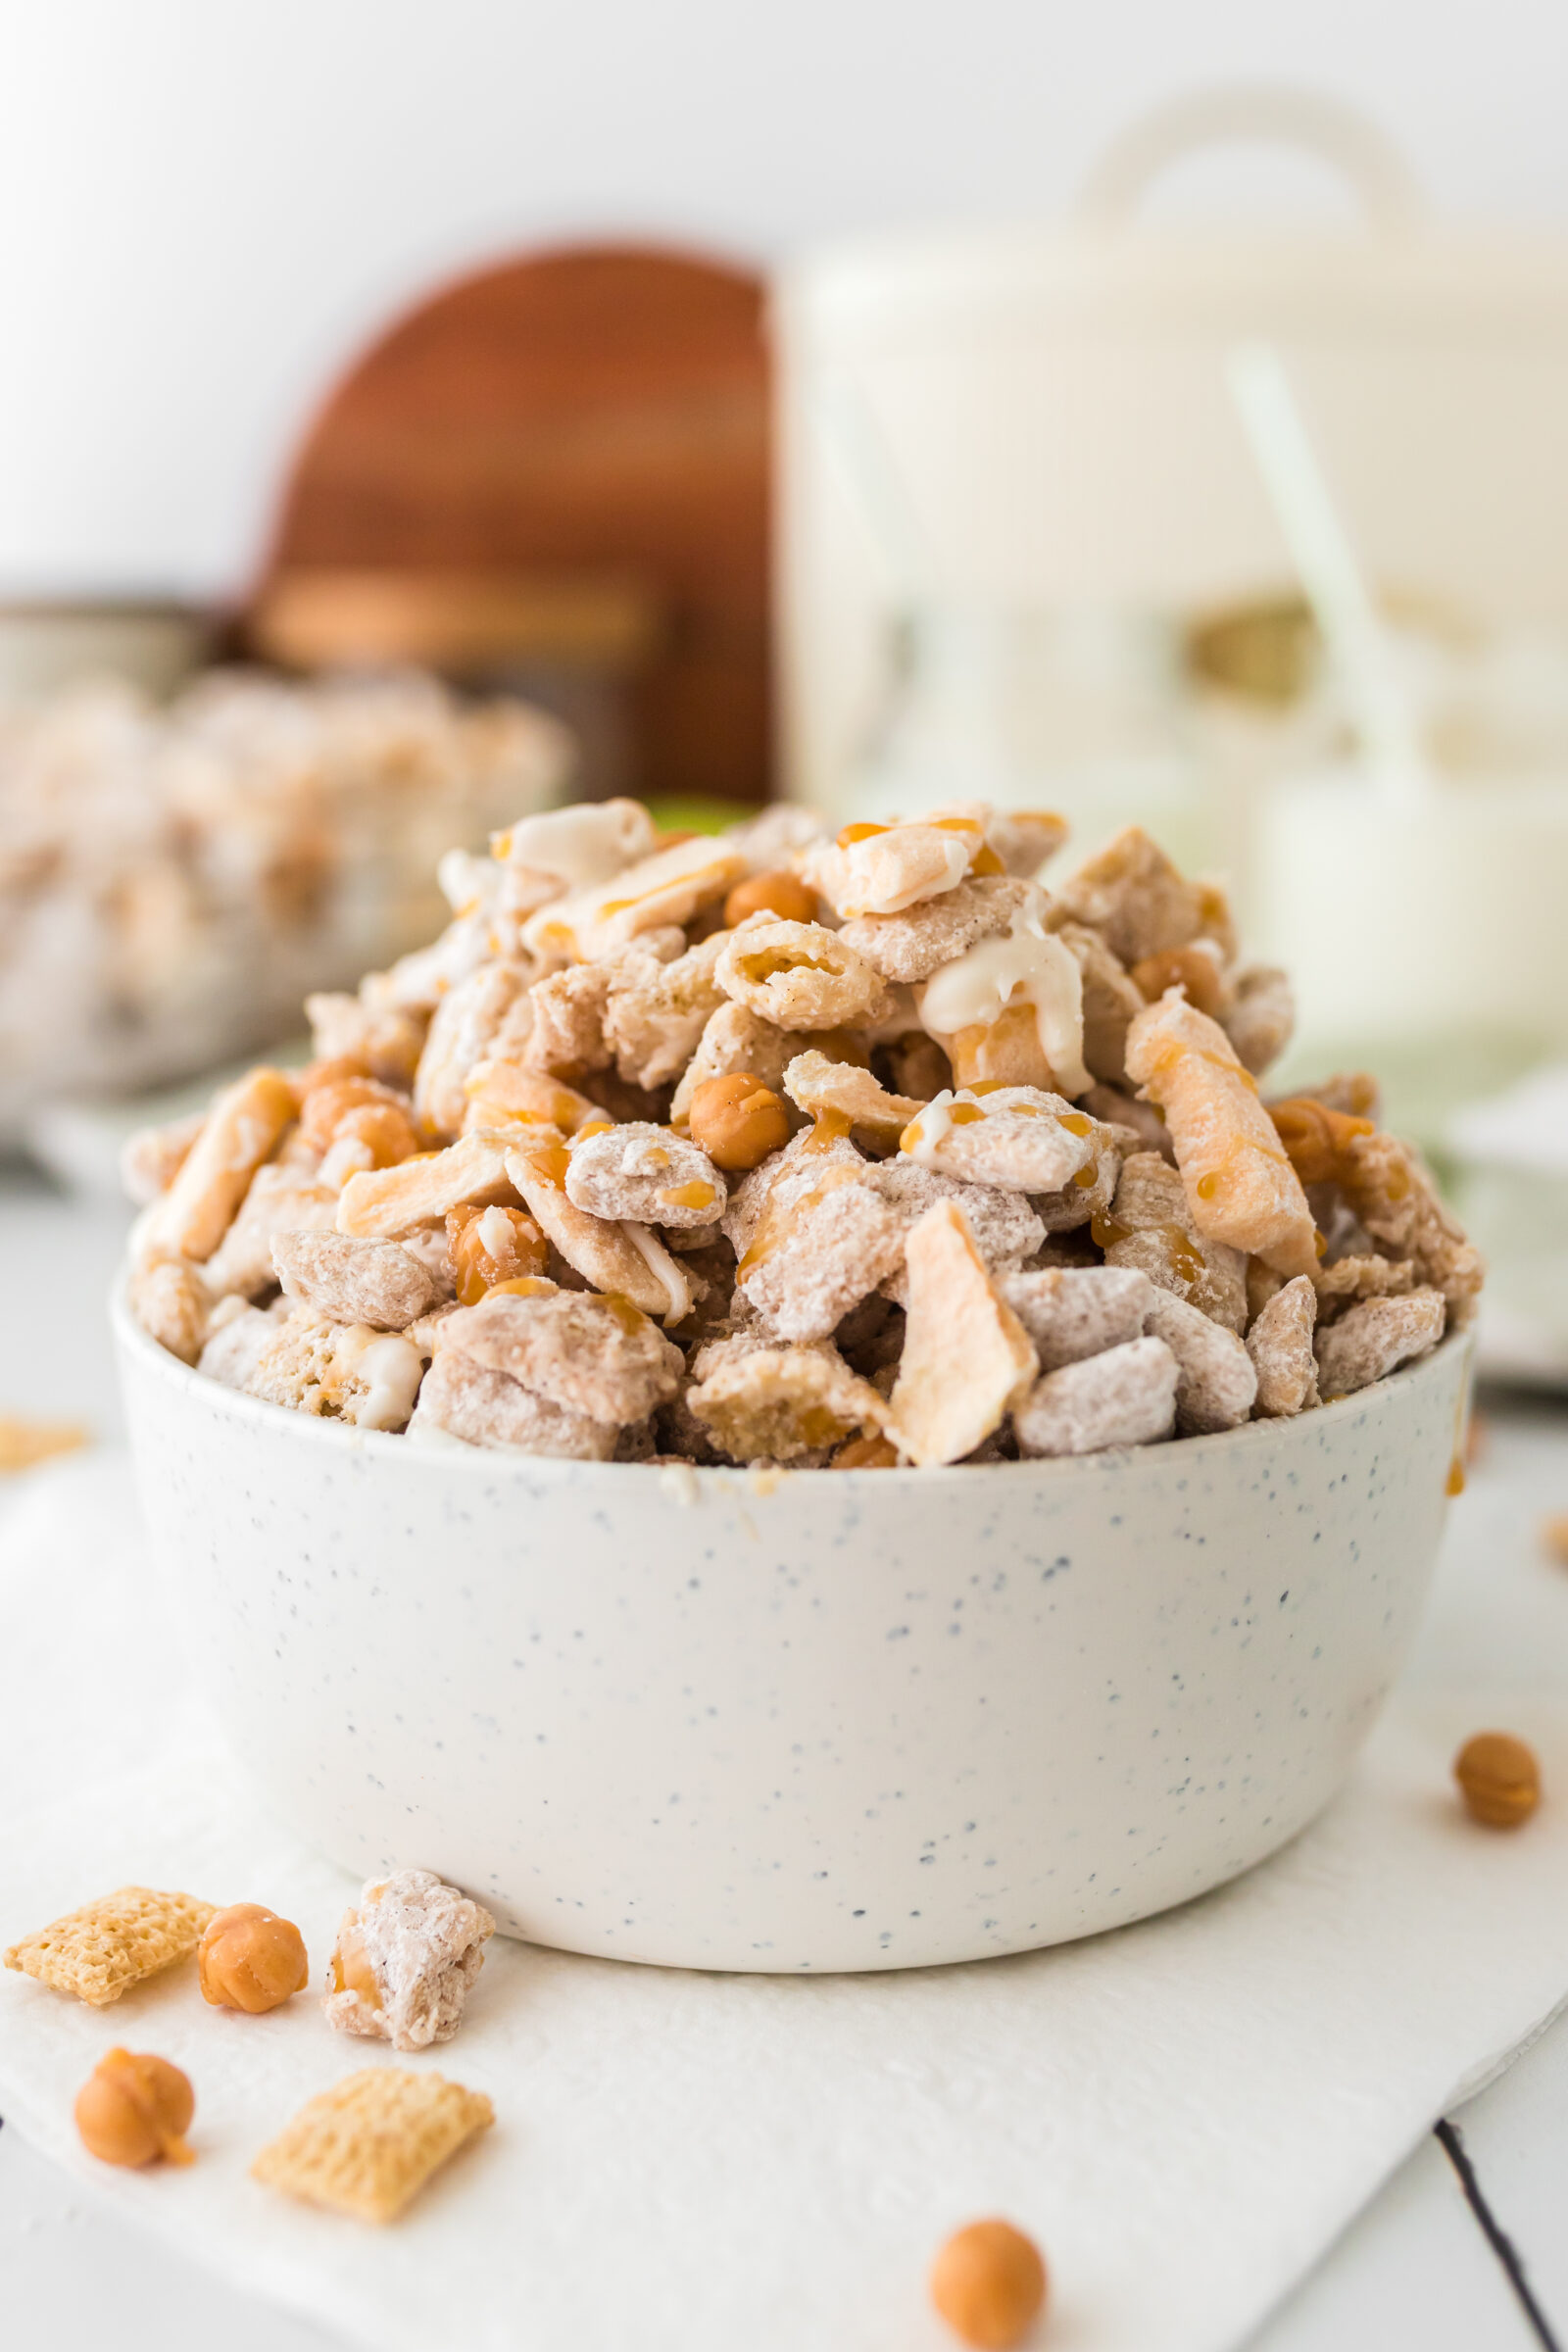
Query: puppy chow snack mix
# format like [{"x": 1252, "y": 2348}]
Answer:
[{"x": 790, "y": 1147}]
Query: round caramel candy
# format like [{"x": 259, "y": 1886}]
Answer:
[
  {"x": 989, "y": 2283},
  {"x": 250, "y": 1959},
  {"x": 737, "y": 1121},
  {"x": 136, "y": 2109},
  {"x": 1498, "y": 1778},
  {"x": 780, "y": 892}
]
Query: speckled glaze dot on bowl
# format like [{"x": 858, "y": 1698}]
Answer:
[{"x": 839, "y": 1720}]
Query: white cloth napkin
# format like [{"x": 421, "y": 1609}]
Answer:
[{"x": 1185, "y": 2113}]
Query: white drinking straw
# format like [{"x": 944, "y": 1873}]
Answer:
[
  {"x": 874, "y": 484},
  {"x": 1331, "y": 577}
]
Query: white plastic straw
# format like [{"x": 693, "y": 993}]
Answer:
[
  {"x": 1324, "y": 563},
  {"x": 874, "y": 485}
]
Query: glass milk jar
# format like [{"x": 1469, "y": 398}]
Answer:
[{"x": 1084, "y": 712}]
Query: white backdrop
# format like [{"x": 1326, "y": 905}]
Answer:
[{"x": 207, "y": 205}]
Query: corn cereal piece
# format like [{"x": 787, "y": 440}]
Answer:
[
  {"x": 1004, "y": 1226},
  {"x": 1151, "y": 1227},
  {"x": 798, "y": 975},
  {"x": 1113, "y": 1106},
  {"x": 460, "y": 1398},
  {"x": 173, "y": 1304},
  {"x": 567, "y": 1035},
  {"x": 919, "y": 1068},
  {"x": 25, "y": 1443},
  {"x": 387, "y": 1042},
  {"x": 814, "y": 1236},
  {"x": 780, "y": 1403},
  {"x": 383, "y": 1203},
  {"x": 881, "y": 870},
  {"x": 967, "y": 1360},
  {"x": 1363, "y": 1276},
  {"x": 281, "y": 1199},
  {"x": 1073, "y": 1312},
  {"x": 647, "y": 1173},
  {"x": 241, "y": 1130},
  {"x": 486, "y": 1017},
  {"x": 502, "y": 1091},
  {"x": 234, "y": 1346},
  {"x": 669, "y": 887},
  {"x": 102, "y": 1950},
  {"x": 1372, "y": 1339},
  {"x": 1241, "y": 1187},
  {"x": 595, "y": 1355},
  {"x": 1262, "y": 1018},
  {"x": 353, "y": 1281},
  {"x": 841, "y": 1091},
  {"x": 368, "y": 2146},
  {"x": 734, "y": 1039},
  {"x": 1024, "y": 838},
  {"x": 1216, "y": 1382},
  {"x": 1017, "y": 1138},
  {"x": 1110, "y": 1001},
  {"x": 657, "y": 1012},
  {"x": 351, "y": 1372},
  {"x": 1133, "y": 896},
  {"x": 1279, "y": 1341},
  {"x": 405, "y": 1956},
  {"x": 912, "y": 945},
  {"x": 624, "y": 1258},
  {"x": 151, "y": 1158},
  {"x": 1392, "y": 1194},
  {"x": 1124, "y": 1396}
]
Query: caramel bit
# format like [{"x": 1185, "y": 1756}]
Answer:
[
  {"x": 694, "y": 1195},
  {"x": 1499, "y": 1780},
  {"x": 853, "y": 833},
  {"x": 136, "y": 2109},
  {"x": 738, "y": 1121},
  {"x": 1187, "y": 968},
  {"x": 250, "y": 1959},
  {"x": 780, "y": 893},
  {"x": 489, "y": 1246},
  {"x": 989, "y": 2283},
  {"x": 1454, "y": 1483},
  {"x": 1553, "y": 1531},
  {"x": 1316, "y": 1138},
  {"x": 828, "y": 1128},
  {"x": 350, "y": 1969},
  {"x": 865, "y": 1453}
]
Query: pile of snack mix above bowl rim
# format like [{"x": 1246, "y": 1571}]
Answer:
[{"x": 785, "y": 1149}]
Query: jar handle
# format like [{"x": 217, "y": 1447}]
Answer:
[{"x": 1270, "y": 113}]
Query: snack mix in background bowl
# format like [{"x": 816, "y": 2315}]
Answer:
[
  {"x": 779, "y": 1149},
  {"x": 173, "y": 878}
]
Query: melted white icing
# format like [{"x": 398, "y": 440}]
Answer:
[
  {"x": 1027, "y": 964},
  {"x": 581, "y": 846},
  {"x": 391, "y": 1368},
  {"x": 664, "y": 1269},
  {"x": 923, "y": 1134}
]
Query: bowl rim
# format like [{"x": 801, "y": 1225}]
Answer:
[{"x": 491, "y": 1462}]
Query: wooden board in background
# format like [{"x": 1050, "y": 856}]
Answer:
[{"x": 583, "y": 414}]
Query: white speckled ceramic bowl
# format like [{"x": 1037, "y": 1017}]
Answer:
[{"x": 848, "y": 1719}]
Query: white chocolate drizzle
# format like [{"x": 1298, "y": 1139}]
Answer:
[
  {"x": 1029, "y": 965},
  {"x": 662, "y": 1267}
]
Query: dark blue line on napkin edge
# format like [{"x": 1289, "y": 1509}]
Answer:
[{"x": 1451, "y": 2141}]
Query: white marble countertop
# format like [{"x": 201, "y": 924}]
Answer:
[{"x": 1463, "y": 2251}]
